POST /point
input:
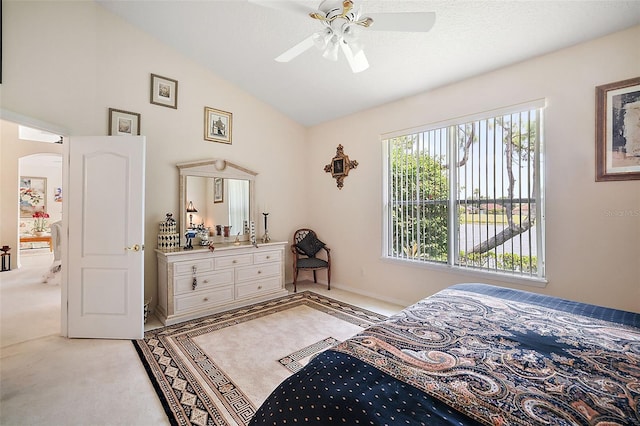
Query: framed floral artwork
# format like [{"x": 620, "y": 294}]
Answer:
[
  {"x": 123, "y": 123},
  {"x": 217, "y": 125},
  {"x": 33, "y": 195},
  {"x": 618, "y": 131},
  {"x": 164, "y": 91}
]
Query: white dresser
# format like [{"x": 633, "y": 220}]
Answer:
[{"x": 199, "y": 282}]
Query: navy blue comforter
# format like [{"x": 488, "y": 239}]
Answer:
[{"x": 474, "y": 354}]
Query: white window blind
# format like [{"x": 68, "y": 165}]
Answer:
[{"x": 468, "y": 194}]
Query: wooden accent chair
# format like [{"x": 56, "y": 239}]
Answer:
[{"x": 305, "y": 247}]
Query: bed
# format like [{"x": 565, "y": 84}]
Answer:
[{"x": 473, "y": 354}]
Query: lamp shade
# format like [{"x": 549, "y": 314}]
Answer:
[{"x": 190, "y": 208}]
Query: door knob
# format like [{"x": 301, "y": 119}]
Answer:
[{"x": 135, "y": 247}]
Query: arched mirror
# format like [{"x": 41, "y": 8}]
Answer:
[{"x": 215, "y": 194}]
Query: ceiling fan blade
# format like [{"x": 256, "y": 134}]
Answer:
[
  {"x": 357, "y": 62},
  {"x": 300, "y": 7},
  {"x": 296, "y": 50},
  {"x": 404, "y": 21}
]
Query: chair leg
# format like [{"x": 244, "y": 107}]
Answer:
[
  {"x": 329, "y": 278},
  {"x": 314, "y": 276},
  {"x": 295, "y": 279}
]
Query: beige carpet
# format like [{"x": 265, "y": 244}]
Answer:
[
  {"x": 219, "y": 369},
  {"x": 29, "y": 308}
]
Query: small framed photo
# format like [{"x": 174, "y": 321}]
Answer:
[
  {"x": 617, "y": 131},
  {"x": 218, "y": 190},
  {"x": 217, "y": 125},
  {"x": 123, "y": 123},
  {"x": 164, "y": 91}
]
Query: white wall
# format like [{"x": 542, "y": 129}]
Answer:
[
  {"x": 592, "y": 255},
  {"x": 68, "y": 62}
]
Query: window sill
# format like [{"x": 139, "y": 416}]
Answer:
[{"x": 477, "y": 274}]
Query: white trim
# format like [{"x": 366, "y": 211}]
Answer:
[
  {"x": 370, "y": 294},
  {"x": 476, "y": 273},
  {"x": 385, "y": 197},
  {"x": 452, "y": 158},
  {"x": 525, "y": 106},
  {"x": 541, "y": 207},
  {"x": 14, "y": 117}
]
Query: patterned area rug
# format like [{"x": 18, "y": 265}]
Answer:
[{"x": 217, "y": 370}]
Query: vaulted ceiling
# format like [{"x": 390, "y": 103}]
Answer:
[{"x": 239, "y": 39}]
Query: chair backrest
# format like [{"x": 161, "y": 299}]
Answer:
[{"x": 299, "y": 236}]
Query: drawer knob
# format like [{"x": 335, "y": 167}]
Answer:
[
  {"x": 259, "y": 287},
  {"x": 206, "y": 281},
  {"x": 206, "y": 299},
  {"x": 268, "y": 257},
  {"x": 259, "y": 272},
  {"x": 235, "y": 261}
]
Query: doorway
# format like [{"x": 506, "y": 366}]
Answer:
[
  {"x": 31, "y": 308},
  {"x": 40, "y": 198}
]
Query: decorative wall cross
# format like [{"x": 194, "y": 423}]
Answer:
[{"x": 340, "y": 166}]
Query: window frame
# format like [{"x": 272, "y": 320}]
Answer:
[{"x": 539, "y": 279}]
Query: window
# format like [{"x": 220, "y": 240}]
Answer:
[{"x": 468, "y": 193}]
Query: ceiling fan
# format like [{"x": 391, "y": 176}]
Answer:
[{"x": 341, "y": 21}]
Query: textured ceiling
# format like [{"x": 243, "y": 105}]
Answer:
[{"x": 239, "y": 39}]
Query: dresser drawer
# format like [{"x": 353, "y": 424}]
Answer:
[
  {"x": 257, "y": 287},
  {"x": 203, "y": 299},
  {"x": 205, "y": 281},
  {"x": 257, "y": 272},
  {"x": 233, "y": 261},
  {"x": 186, "y": 267},
  {"x": 229, "y": 277},
  {"x": 267, "y": 256}
]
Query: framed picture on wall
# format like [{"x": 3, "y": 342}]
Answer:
[
  {"x": 164, "y": 91},
  {"x": 33, "y": 195},
  {"x": 217, "y": 125},
  {"x": 218, "y": 190},
  {"x": 123, "y": 123},
  {"x": 618, "y": 131}
]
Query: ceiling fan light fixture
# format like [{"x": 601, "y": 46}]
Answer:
[
  {"x": 331, "y": 51},
  {"x": 321, "y": 38},
  {"x": 349, "y": 33}
]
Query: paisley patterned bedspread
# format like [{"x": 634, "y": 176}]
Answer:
[{"x": 474, "y": 354}]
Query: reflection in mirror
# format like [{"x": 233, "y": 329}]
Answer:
[
  {"x": 223, "y": 198},
  {"x": 220, "y": 202}
]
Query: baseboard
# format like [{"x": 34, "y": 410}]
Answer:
[{"x": 362, "y": 292}]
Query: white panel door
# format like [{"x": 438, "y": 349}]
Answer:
[{"x": 105, "y": 266}]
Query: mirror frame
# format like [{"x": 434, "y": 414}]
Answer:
[{"x": 215, "y": 167}]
